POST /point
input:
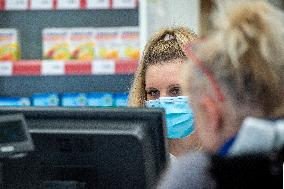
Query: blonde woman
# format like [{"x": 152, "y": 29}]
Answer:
[
  {"x": 235, "y": 79},
  {"x": 158, "y": 77}
]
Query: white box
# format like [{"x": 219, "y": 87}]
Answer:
[
  {"x": 103, "y": 67},
  {"x": 16, "y": 4},
  {"x": 42, "y": 4},
  {"x": 52, "y": 67},
  {"x": 124, "y": 4},
  {"x": 68, "y": 4},
  {"x": 98, "y": 4},
  {"x": 6, "y": 68}
]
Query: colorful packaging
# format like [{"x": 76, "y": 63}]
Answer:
[
  {"x": 15, "y": 101},
  {"x": 55, "y": 43},
  {"x": 120, "y": 99},
  {"x": 74, "y": 99},
  {"x": 107, "y": 44},
  {"x": 82, "y": 43},
  {"x": 49, "y": 99},
  {"x": 129, "y": 39},
  {"x": 100, "y": 99},
  {"x": 9, "y": 44}
]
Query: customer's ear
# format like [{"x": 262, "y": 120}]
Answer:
[{"x": 212, "y": 112}]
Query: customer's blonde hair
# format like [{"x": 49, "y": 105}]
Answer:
[
  {"x": 164, "y": 46},
  {"x": 245, "y": 55}
]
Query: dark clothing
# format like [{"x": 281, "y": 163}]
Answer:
[{"x": 247, "y": 160}]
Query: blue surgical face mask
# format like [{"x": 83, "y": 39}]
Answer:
[{"x": 179, "y": 116}]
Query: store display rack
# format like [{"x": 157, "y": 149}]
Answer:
[{"x": 33, "y": 75}]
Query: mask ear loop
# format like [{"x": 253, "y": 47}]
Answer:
[{"x": 187, "y": 49}]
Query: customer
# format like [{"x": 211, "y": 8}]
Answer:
[
  {"x": 158, "y": 76},
  {"x": 235, "y": 80}
]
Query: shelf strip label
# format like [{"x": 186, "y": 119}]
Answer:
[
  {"x": 6, "y": 68},
  {"x": 103, "y": 67},
  {"x": 52, "y": 67}
]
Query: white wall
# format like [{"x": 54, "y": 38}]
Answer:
[{"x": 157, "y": 14}]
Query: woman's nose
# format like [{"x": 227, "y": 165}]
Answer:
[{"x": 163, "y": 94}]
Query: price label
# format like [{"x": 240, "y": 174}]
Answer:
[
  {"x": 103, "y": 67},
  {"x": 124, "y": 4},
  {"x": 52, "y": 67},
  {"x": 6, "y": 68},
  {"x": 17, "y": 4},
  {"x": 41, "y": 4},
  {"x": 68, "y": 4},
  {"x": 98, "y": 4}
]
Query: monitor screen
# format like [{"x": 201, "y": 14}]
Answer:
[
  {"x": 91, "y": 148},
  {"x": 11, "y": 131},
  {"x": 14, "y": 136}
]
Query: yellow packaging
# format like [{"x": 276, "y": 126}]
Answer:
[
  {"x": 107, "y": 43},
  {"x": 82, "y": 43},
  {"x": 129, "y": 40},
  {"x": 55, "y": 44},
  {"x": 9, "y": 45}
]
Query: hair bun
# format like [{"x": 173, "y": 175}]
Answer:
[
  {"x": 247, "y": 23},
  {"x": 249, "y": 17}
]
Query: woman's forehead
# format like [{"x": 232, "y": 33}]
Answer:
[{"x": 164, "y": 74}]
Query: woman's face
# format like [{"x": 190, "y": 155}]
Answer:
[{"x": 163, "y": 80}]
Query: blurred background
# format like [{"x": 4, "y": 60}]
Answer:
[{"x": 83, "y": 52}]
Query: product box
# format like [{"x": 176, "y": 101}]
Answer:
[
  {"x": 82, "y": 43},
  {"x": 9, "y": 44},
  {"x": 49, "y": 99},
  {"x": 55, "y": 43},
  {"x": 107, "y": 43},
  {"x": 100, "y": 99},
  {"x": 15, "y": 101},
  {"x": 129, "y": 40},
  {"x": 74, "y": 99},
  {"x": 120, "y": 99}
]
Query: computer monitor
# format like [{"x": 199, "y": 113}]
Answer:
[
  {"x": 92, "y": 148},
  {"x": 14, "y": 136}
]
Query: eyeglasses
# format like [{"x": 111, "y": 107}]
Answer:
[{"x": 188, "y": 50}]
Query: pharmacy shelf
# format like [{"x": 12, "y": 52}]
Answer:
[
  {"x": 7, "y": 5},
  {"x": 53, "y": 67},
  {"x": 26, "y": 86},
  {"x": 25, "y": 78},
  {"x": 30, "y": 24}
]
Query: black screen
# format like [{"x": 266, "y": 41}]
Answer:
[
  {"x": 113, "y": 148},
  {"x": 11, "y": 131}
]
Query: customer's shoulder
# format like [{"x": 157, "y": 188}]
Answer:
[{"x": 189, "y": 171}]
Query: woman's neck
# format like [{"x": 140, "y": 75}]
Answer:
[{"x": 178, "y": 147}]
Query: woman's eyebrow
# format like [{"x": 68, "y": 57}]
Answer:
[
  {"x": 151, "y": 88},
  {"x": 174, "y": 85}
]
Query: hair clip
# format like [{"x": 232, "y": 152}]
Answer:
[{"x": 168, "y": 37}]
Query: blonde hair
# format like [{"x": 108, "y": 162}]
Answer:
[
  {"x": 245, "y": 54},
  {"x": 164, "y": 46}
]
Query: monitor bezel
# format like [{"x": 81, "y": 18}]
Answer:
[
  {"x": 10, "y": 149},
  {"x": 157, "y": 114}
]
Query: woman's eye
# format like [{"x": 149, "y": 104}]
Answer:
[
  {"x": 153, "y": 94},
  {"x": 175, "y": 91}
]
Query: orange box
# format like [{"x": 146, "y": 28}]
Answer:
[
  {"x": 9, "y": 45},
  {"x": 129, "y": 40},
  {"x": 107, "y": 43},
  {"x": 82, "y": 43},
  {"x": 55, "y": 44}
]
